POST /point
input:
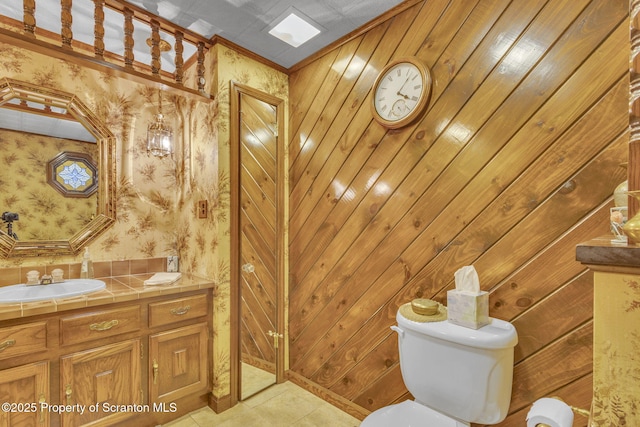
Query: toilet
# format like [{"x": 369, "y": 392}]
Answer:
[{"x": 456, "y": 374}]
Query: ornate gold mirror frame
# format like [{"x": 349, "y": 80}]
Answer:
[{"x": 29, "y": 94}]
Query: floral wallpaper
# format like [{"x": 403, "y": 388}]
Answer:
[
  {"x": 157, "y": 198},
  {"x": 44, "y": 213},
  {"x": 152, "y": 193},
  {"x": 616, "y": 376}
]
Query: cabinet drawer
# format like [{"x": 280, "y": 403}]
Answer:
[
  {"x": 99, "y": 324},
  {"x": 166, "y": 312},
  {"x": 22, "y": 339}
]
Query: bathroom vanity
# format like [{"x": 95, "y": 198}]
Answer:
[{"x": 128, "y": 352}]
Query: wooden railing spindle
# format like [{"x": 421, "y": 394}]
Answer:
[
  {"x": 200, "y": 67},
  {"x": 128, "y": 38},
  {"x": 29, "y": 18},
  {"x": 179, "y": 61},
  {"x": 98, "y": 28},
  {"x": 155, "y": 48},
  {"x": 99, "y": 54},
  {"x": 633, "y": 168},
  {"x": 66, "y": 33}
]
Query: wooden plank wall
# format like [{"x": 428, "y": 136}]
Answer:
[{"x": 513, "y": 164}]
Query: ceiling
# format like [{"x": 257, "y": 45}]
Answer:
[
  {"x": 243, "y": 22},
  {"x": 246, "y": 22}
]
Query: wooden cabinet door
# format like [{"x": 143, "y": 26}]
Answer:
[
  {"x": 106, "y": 377},
  {"x": 178, "y": 363},
  {"x": 25, "y": 385}
]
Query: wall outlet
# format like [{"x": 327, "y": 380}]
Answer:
[
  {"x": 203, "y": 206},
  {"x": 172, "y": 263}
]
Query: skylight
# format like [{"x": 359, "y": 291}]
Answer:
[{"x": 294, "y": 30}]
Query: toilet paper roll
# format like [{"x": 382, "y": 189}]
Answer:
[{"x": 550, "y": 412}]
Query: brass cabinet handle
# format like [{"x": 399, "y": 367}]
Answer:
[
  {"x": 155, "y": 371},
  {"x": 180, "y": 310},
  {"x": 7, "y": 344},
  {"x": 41, "y": 401},
  {"x": 68, "y": 392},
  {"x": 103, "y": 326}
]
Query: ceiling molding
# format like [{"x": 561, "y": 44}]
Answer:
[{"x": 246, "y": 52}]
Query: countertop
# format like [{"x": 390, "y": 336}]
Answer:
[
  {"x": 118, "y": 289},
  {"x": 606, "y": 251}
]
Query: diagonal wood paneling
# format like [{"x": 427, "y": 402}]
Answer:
[
  {"x": 512, "y": 165},
  {"x": 257, "y": 226}
]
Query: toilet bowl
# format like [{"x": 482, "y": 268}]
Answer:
[
  {"x": 457, "y": 375},
  {"x": 409, "y": 413}
]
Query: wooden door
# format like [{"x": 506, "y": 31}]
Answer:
[
  {"x": 108, "y": 375},
  {"x": 258, "y": 242},
  {"x": 27, "y": 386},
  {"x": 178, "y": 363}
]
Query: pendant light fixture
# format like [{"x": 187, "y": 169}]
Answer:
[{"x": 159, "y": 135}]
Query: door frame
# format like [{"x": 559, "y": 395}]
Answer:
[{"x": 237, "y": 89}]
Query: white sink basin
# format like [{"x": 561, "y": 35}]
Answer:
[{"x": 68, "y": 288}]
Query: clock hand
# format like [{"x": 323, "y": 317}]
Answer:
[{"x": 399, "y": 93}]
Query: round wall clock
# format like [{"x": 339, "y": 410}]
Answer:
[{"x": 401, "y": 92}]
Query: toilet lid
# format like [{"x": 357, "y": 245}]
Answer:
[{"x": 409, "y": 414}]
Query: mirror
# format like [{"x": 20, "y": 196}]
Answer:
[
  {"x": 257, "y": 154},
  {"x": 64, "y": 172}
]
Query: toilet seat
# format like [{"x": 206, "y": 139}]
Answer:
[{"x": 409, "y": 414}]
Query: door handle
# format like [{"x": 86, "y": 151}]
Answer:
[
  {"x": 248, "y": 268},
  {"x": 275, "y": 337}
]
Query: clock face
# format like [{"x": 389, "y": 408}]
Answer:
[{"x": 400, "y": 93}]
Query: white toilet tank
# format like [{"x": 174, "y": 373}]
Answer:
[{"x": 461, "y": 372}]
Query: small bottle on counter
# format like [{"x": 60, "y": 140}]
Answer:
[{"x": 86, "y": 269}]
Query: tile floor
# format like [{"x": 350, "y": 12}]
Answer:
[
  {"x": 254, "y": 380},
  {"x": 280, "y": 405}
]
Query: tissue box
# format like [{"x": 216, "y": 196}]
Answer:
[{"x": 468, "y": 309}]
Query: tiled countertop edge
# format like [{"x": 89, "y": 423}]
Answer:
[{"x": 118, "y": 289}]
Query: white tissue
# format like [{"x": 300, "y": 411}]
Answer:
[
  {"x": 162, "y": 279},
  {"x": 467, "y": 280},
  {"x": 549, "y": 411}
]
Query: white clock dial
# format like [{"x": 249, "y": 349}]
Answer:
[{"x": 399, "y": 91}]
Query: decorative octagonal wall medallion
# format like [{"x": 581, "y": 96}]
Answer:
[{"x": 73, "y": 174}]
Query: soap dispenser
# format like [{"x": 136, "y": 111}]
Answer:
[{"x": 86, "y": 270}]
